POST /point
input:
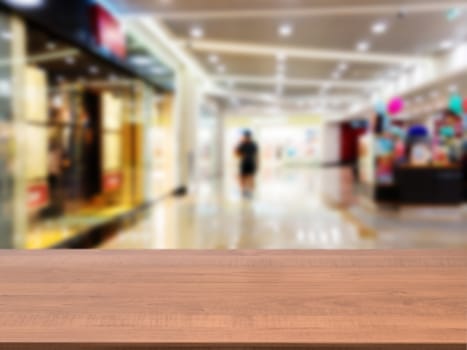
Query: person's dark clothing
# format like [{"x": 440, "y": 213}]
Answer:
[{"x": 248, "y": 152}]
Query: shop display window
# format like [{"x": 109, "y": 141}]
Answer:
[{"x": 76, "y": 113}]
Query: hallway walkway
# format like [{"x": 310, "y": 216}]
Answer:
[{"x": 293, "y": 209}]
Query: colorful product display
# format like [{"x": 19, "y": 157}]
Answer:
[{"x": 416, "y": 145}]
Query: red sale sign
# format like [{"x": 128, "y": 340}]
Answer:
[
  {"x": 37, "y": 196},
  {"x": 108, "y": 31}
]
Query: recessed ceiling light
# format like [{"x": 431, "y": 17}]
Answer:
[
  {"x": 446, "y": 45},
  {"x": 363, "y": 46},
  {"x": 379, "y": 27},
  {"x": 285, "y": 30},
  {"x": 213, "y": 58},
  {"x": 93, "y": 69},
  {"x": 343, "y": 66},
  {"x": 196, "y": 32}
]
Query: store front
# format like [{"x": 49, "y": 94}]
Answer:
[
  {"x": 75, "y": 125},
  {"x": 418, "y": 158}
]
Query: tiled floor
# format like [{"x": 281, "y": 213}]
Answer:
[{"x": 292, "y": 209}]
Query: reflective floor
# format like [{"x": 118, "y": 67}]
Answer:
[{"x": 292, "y": 209}]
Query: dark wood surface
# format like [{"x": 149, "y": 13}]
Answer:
[{"x": 206, "y": 300}]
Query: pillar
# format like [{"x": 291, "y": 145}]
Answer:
[{"x": 187, "y": 111}]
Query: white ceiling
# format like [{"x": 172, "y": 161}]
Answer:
[{"x": 243, "y": 33}]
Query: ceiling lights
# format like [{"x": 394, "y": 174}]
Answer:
[
  {"x": 285, "y": 30},
  {"x": 379, "y": 28},
  {"x": 363, "y": 46},
  {"x": 216, "y": 61},
  {"x": 343, "y": 66},
  {"x": 197, "y": 32},
  {"x": 213, "y": 58}
]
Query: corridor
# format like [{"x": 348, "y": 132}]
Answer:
[{"x": 296, "y": 208}]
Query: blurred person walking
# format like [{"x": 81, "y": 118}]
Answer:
[{"x": 247, "y": 151}]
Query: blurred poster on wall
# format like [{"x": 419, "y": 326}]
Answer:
[{"x": 290, "y": 145}]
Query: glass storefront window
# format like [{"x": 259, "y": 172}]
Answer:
[{"x": 82, "y": 126}]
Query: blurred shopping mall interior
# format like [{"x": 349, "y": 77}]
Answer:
[{"x": 121, "y": 120}]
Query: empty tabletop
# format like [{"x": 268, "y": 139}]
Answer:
[{"x": 213, "y": 299}]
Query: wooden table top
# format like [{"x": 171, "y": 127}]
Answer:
[{"x": 96, "y": 299}]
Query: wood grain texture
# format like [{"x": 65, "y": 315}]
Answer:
[{"x": 159, "y": 299}]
